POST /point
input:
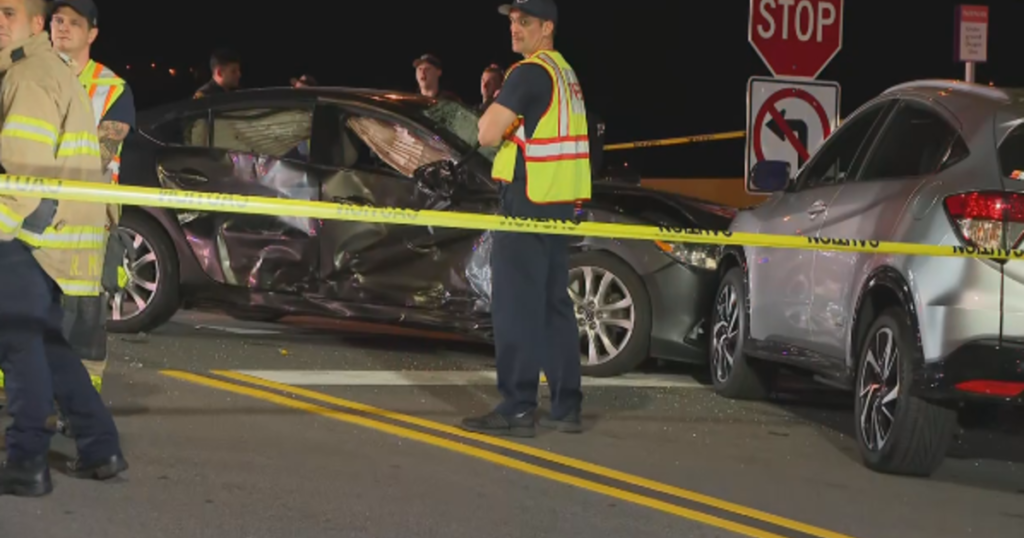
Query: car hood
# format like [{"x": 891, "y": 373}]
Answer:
[{"x": 648, "y": 206}]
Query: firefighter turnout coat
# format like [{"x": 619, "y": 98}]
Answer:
[{"x": 49, "y": 130}]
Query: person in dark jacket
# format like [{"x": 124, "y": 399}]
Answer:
[
  {"x": 226, "y": 67},
  {"x": 490, "y": 84}
]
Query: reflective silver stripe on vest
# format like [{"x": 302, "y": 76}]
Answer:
[
  {"x": 563, "y": 103},
  {"x": 102, "y": 91},
  {"x": 98, "y": 99},
  {"x": 557, "y": 149}
]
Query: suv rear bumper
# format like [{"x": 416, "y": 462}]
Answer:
[{"x": 984, "y": 370}]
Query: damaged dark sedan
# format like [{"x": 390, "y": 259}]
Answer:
[{"x": 634, "y": 299}]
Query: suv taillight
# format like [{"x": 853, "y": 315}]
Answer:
[{"x": 988, "y": 219}]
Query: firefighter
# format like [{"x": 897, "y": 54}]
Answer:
[
  {"x": 49, "y": 250},
  {"x": 73, "y": 29},
  {"x": 540, "y": 122}
]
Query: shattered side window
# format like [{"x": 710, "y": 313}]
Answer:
[
  {"x": 403, "y": 150},
  {"x": 189, "y": 130},
  {"x": 273, "y": 132},
  {"x": 460, "y": 121}
]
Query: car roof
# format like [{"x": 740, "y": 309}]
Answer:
[
  {"x": 970, "y": 102},
  {"x": 395, "y": 100}
]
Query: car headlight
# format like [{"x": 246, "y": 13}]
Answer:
[{"x": 699, "y": 255}]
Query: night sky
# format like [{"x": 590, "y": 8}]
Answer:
[{"x": 651, "y": 68}]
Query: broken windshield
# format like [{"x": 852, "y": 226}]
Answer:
[{"x": 461, "y": 121}]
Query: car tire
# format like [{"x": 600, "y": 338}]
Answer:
[
  {"x": 162, "y": 302},
  {"x": 623, "y": 282},
  {"x": 735, "y": 375},
  {"x": 919, "y": 432}
]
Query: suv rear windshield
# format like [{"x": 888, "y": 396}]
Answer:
[{"x": 1011, "y": 153}]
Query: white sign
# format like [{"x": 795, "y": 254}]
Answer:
[
  {"x": 972, "y": 33},
  {"x": 787, "y": 120}
]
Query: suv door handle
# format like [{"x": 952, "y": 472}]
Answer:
[{"x": 817, "y": 208}]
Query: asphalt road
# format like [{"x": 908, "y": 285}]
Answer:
[{"x": 255, "y": 430}]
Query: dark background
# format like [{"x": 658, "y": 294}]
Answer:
[{"x": 652, "y": 68}]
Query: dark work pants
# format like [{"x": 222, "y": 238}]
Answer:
[
  {"x": 39, "y": 366},
  {"x": 534, "y": 324}
]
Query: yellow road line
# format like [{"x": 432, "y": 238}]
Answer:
[
  {"x": 545, "y": 455},
  {"x": 486, "y": 455}
]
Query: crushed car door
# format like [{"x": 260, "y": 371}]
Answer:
[
  {"x": 255, "y": 151},
  {"x": 375, "y": 155}
]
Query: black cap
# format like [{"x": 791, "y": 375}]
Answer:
[
  {"x": 427, "y": 59},
  {"x": 85, "y": 8},
  {"x": 542, "y": 9}
]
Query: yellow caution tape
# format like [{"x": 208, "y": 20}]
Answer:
[
  {"x": 252, "y": 205},
  {"x": 677, "y": 141}
]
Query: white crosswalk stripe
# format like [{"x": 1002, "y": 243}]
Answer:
[{"x": 340, "y": 378}]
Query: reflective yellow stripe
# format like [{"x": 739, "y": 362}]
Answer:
[
  {"x": 80, "y": 143},
  {"x": 68, "y": 238},
  {"x": 26, "y": 128},
  {"x": 79, "y": 288},
  {"x": 9, "y": 220}
]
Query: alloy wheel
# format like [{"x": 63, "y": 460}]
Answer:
[
  {"x": 879, "y": 389},
  {"x": 139, "y": 276},
  {"x": 725, "y": 333},
  {"x": 604, "y": 311}
]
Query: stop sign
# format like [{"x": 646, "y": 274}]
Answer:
[{"x": 796, "y": 38}]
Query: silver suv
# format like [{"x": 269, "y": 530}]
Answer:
[{"x": 914, "y": 338}]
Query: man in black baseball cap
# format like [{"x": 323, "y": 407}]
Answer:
[
  {"x": 73, "y": 30},
  {"x": 428, "y": 75},
  {"x": 85, "y": 8},
  {"x": 524, "y": 13},
  {"x": 542, "y": 9},
  {"x": 542, "y": 133}
]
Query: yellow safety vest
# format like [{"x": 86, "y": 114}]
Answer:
[
  {"x": 557, "y": 155},
  {"x": 104, "y": 87}
]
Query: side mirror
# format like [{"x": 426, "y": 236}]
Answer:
[
  {"x": 438, "y": 177},
  {"x": 770, "y": 176}
]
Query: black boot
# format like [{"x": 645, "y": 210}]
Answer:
[
  {"x": 26, "y": 478},
  {"x": 570, "y": 423},
  {"x": 495, "y": 423},
  {"x": 104, "y": 469}
]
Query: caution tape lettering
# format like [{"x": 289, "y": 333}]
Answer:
[
  {"x": 538, "y": 223},
  {"x": 355, "y": 212},
  {"x": 203, "y": 200},
  {"x": 34, "y": 185},
  {"x": 989, "y": 252},
  {"x": 694, "y": 231},
  {"x": 836, "y": 242}
]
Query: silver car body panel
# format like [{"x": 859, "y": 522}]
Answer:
[{"x": 809, "y": 298}]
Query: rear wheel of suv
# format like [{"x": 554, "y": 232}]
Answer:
[
  {"x": 897, "y": 433},
  {"x": 734, "y": 374}
]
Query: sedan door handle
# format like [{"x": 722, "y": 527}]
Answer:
[{"x": 817, "y": 208}]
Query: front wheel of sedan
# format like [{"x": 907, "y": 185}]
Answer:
[
  {"x": 148, "y": 294},
  {"x": 734, "y": 374},
  {"x": 613, "y": 314},
  {"x": 897, "y": 433}
]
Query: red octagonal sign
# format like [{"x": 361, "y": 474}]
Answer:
[{"x": 796, "y": 38}]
